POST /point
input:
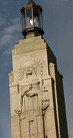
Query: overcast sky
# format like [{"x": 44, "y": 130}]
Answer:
[{"x": 58, "y": 28}]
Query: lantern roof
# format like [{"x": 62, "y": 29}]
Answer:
[{"x": 31, "y": 3}]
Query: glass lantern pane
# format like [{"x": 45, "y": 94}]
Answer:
[
  {"x": 40, "y": 16},
  {"x": 37, "y": 21},
  {"x": 23, "y": 21},
  {"x": 29, "y": 20}
]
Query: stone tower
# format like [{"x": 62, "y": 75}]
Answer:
[{"x": 36, "y": 88}]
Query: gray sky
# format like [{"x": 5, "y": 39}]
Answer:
[{"x": 58, "y": 28}]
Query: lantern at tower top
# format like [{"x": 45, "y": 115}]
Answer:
[{"x": 31, "y": 19}]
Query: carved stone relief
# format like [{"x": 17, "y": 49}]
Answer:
[
  {"x": 30, "y": 70},
  {"x": 45, "y": 104},
  {"x": 31, "y": 128},
  {"x": 26, "y": 91},
  {"x": 19, "y": 102},
  {"x": 20, "y": 73},
  {"x": 30, "y": 96},
  {"x": 45, "y": 99}
]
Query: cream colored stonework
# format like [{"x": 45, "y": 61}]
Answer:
[{"x": 33, "y": 91}]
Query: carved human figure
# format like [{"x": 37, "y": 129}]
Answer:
[
  {"x": 27, "y": 91},
  {"x": 30, "y": 72},
  {"x": 30, "y": 92},
  {"x": 29, "y": 96}
]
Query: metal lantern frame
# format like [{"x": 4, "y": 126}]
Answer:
[{"x": 32, "y": 19}]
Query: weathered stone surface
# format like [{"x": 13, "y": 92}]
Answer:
[{"x": 35, "y": 88}]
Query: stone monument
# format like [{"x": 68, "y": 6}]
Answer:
[{"x": 36, "y": 88}]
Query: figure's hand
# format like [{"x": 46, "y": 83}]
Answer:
[
  {"x": 27, "y": 94},
  {"x": 45, "y": 104},
  {"x": 26, "y": 89}
]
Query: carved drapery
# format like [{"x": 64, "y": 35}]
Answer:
[
  {"x": 28, "y": 93},
  {"x": 32, "y": 98},
  {"x": 32, "y": 101}
]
